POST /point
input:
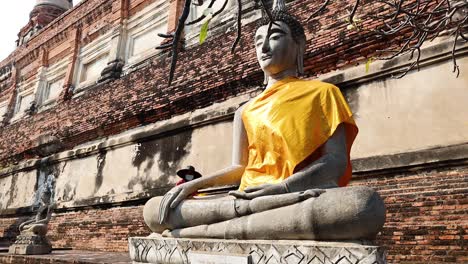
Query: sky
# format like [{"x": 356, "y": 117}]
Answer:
[{"x": 13, "y": 16}]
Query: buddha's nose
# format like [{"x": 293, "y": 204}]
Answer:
[{"x": 266, "y": 46}]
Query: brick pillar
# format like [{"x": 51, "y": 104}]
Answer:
[
  {"x": 175, "y": 10},
  {"x": 44, "y": 56},
  {"x": 41, "y": 75},
  {"x": 75, "y": 42},
  {"x": 12, "y": 100},
  {"x": 120, "y": 11},
  {"x": 113, "y": 70},
  {"x": 124, "y": 10}
]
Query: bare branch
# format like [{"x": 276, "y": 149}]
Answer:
[
  {"x": 413, "y": 23},
  {"x": 239, "y": 26},
  {"x": 426, "y": 20},
  {"x": 353, "y": 12},
  {"x": 202, "y": 16},
  {"x": 176, "y": 38},
  {"x": 318, "y": 11}
]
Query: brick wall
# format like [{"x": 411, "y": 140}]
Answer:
[
  {"x": 427, "y": 214},
  {"x": 105, "y": 229},
  {"x": 427, "y": 218}
]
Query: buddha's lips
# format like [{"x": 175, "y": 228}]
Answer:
[{"x": 266, "y": 57}]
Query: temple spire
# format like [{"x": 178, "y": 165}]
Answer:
[
  {"x": 44, "y": 12},
  {"x": 63, "y": 4}
]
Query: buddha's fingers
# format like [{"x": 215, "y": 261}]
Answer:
[
  {"x": 254, "y": 188},
  {"x": 246, "y": 196},
  {"x": 179, "y": 197},
  {"x": 167, "y": 233},
  {"x": 162, "y": 210},
  {"x": 312, "y": 193},
  {"x": 165, "y": 204},
  {"x": 238, "y": 194}
]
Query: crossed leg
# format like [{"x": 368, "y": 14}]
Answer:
[{"x": 338, "y": 214}]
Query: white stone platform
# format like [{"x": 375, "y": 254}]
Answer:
[{"x": 158, "y": 250}]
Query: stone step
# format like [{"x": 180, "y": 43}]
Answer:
[{"x": 68, "y": 256}]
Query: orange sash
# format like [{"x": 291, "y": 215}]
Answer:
[{"x": 287, "y": 123}]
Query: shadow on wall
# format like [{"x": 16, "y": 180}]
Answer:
[
  {"x": 166, "y": 153},
  {"x": 11, "y": 232}
]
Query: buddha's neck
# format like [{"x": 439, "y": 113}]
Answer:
[{"x": 273, "y": 78}]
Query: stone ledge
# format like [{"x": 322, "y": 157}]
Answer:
[
  {"x": 427, "y": 158},
  {"x": 155, "y": 249},
  {"x": 456, "y": 155},
  {"x": 432, "y": 53},
  {"x": 68, "y": 256}
]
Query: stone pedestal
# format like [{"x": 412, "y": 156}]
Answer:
[
  {"x": 30, "y": 245},
  {"x": 158, "y": 250}
]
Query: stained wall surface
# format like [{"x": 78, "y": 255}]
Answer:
[{"x": 424, "y": 110}]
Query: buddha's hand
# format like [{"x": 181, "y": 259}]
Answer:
[
  {"x": 173, "y": 197},
  {"x": 311, "y": 193},
  {"x": 262, "y": 190}
]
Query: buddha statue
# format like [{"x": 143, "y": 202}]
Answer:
[
  {"x": 32, "y": 239},
  {"x": 38, "y": 225},
  {"x": 291, "y": 159}
]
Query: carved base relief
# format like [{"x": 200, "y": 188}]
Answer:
[
  {"x": 176, "y": 251},
  {"x": 30, "y": 245}
]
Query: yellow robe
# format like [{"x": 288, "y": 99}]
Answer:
[{"x": 287, "y": 123}]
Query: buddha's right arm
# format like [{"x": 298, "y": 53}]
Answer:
[
  {"x": 232, "y": 174},
  {"x": 227, "y": 176}
]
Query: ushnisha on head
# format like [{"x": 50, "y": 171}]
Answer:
[{"x": 282, "y": 48}]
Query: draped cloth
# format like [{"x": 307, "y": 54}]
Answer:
[{"x": 288, "y": 123}]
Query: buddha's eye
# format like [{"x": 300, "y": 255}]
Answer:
[
  {"x": 259, "y": 44},
  {"x": 276, "y": 36}
]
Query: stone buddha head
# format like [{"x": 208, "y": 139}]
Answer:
[
  {"x": 282, "y": 48},
  {"x": 45, "y": 197}
]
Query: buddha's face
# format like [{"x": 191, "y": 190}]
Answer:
[
  {"x": 45, "y": 198},
  {"x": 278, "y": 52}
]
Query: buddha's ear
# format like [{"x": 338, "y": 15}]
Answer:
[
  {"x": 300, "y": 57},
  {"x": 265, "y": 78}
]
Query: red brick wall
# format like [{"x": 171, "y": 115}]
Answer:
[
  {"x": 90, "y": 229},
  {"x": 427, "y": 214},
  {"x": 427, "y": 219}
]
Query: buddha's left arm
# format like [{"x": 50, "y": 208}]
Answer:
[
  {"x": 327, "y": 170},
  {"x": 321, "y": 174}
]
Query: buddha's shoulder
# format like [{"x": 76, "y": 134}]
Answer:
[{"x": 316, "y": 85}]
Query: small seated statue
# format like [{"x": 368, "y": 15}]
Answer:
[
  {"x": 291, "y": 159},
  {"x": 39, "y": 224},
  {"x": 32, "y": 238}
]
